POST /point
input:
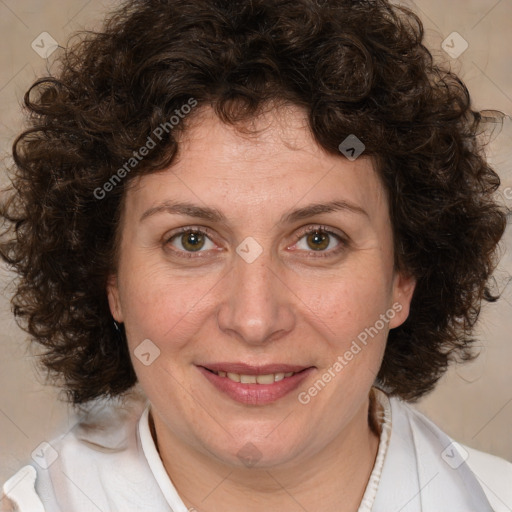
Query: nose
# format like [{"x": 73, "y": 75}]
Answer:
[{"x": 258, "y": 305}]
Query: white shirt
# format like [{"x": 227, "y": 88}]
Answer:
[{"x": 110, "y": 463}]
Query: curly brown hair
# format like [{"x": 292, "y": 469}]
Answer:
[{"x": 356, "y": 67}]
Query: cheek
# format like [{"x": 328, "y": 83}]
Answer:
[
  {"x": 346, "y": 317},
  {"x": 345, "y": 303},
  {"x": 165, "y": 307}
]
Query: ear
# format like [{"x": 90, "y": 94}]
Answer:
[
  {"x": 403, "y": 289},
  {"x": 113, "y": 298}
]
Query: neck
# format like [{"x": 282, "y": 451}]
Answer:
[{"x": 332, "y": 480}]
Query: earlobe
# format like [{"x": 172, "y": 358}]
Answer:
[
  {"x": 403, "y": 290},
  {"x": 113, "y": 299}
]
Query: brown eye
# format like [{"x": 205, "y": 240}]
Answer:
[
  {"x": 191, "y": 241},
  {"x": 318, "y": 241}
]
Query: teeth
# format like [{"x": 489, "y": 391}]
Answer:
[
  {"x": 269, "y": 378},
  {"x": 265, "y": 379}
]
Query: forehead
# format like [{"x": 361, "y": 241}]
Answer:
[{"x": 269, "y": 161}]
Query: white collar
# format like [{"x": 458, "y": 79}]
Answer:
[
  {"x": 156, "y": 465},
  {"x": 425, "y": 470}
]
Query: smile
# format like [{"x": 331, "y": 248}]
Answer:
[
  {"x": 255, "y": 386},
  {"x": 269, "y": 378}
]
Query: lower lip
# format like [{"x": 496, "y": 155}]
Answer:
[{"x": 256, "y": 394}]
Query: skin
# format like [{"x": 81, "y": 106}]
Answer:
[{"x": 293, "y": 304}]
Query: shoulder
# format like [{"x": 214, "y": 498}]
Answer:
[
  {"x": 494, "y": 475},
  {"x": 19, "y": 494},
  {"x": 104, "y": 440}
]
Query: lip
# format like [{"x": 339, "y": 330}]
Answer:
[{"x": 256, "y": 394}]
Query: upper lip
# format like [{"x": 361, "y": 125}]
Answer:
[{"x": 247, "y": 369}]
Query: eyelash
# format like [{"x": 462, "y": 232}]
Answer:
[
  {"x": 343, "y": 242},
  {"x": 324, "y": 230}
]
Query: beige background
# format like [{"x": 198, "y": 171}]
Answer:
[{"x": 472, "y": 403}]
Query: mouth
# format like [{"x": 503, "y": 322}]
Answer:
[
  {"x": 255, "y": 385},
  {"x": 267, "y": 378}
]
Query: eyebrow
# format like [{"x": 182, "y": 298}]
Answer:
[{"x": 214, "y": 215}]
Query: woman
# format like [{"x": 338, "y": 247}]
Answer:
[{"x": 275, "y": 218}]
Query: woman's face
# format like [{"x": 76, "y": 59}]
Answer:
[{"x": 286, "y": 265}]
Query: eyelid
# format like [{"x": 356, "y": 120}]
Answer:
[
  {"x": 321, "y": 228},
  {"x": 343, "y": 239},
  {"x": 188, "y": 229},
  {"x": 169, "y": 236}
]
